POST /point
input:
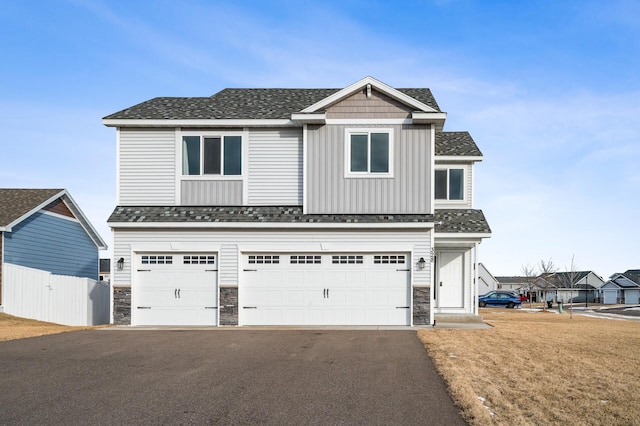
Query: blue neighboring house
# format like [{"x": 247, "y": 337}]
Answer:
[{"x": 45, "y": 229}]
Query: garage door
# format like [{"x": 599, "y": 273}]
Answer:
[
  {"x": 325, "y": 289},
  {"x": 610, "y": 297},
  {"x": 175, "y": 289},
  {"x": 631, "y": 297}
]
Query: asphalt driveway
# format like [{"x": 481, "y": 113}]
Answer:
[{"x": 282, "y": 377}]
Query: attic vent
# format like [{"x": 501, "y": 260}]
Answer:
[{"x": 368, "y": 90}]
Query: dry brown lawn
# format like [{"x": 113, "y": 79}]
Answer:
[
  {"x": 541, "y": 368},
  {"x": 19, "y": 328}
]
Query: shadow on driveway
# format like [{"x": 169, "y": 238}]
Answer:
[{"x": 282, "y": 377}]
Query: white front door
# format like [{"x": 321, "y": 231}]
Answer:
[
  {"x": 175, "y": 289},
  {"x": 325, "y": 289},
  {"x": 450, "y": 279}
]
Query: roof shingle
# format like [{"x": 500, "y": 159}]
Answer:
[
  {"x": 15, "y": 203},
  {"x": 241, "y": 104}
]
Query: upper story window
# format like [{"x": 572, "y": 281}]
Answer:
[
  {"x": 369, "y": 152},
  {"x": 449, "y": 184},
  {"x": 212, "y": 155}
]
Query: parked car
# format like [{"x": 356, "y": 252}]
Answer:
[{"x": 499, "y": 298}]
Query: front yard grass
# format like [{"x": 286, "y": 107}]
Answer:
[
  {"x": 538, "y": 367},
  {"x": 19, "y": 328}
]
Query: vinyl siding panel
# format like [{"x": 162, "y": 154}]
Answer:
[
  {"x": 378, "y": 105},
  {"x": 211, "y": 192},
  {"x": 54, "y": 244},
  {"x": 467, "y": 203},
  {"x": 275, "y": 167},
  {"x": 408, "y": 191},
  {"x": 228, "y": 265},
  {"x": 231, "y": 242},
  {"x": 147, "y": 167}
]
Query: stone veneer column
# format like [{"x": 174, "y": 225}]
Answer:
[
  {"x": 228, "y": 306},
  {"x": 421, "y": 305},
  {"x": 122, "y": 305}
]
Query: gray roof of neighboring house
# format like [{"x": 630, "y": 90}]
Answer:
[
  {"x": 456, "y": 143},
  {"x": 516, "y": 279},
  {"x": 453, "y": 221},
  {"x": 242, "y": 104},
  {"x": 633, "y": 275},
  {"x": 15, "y": 203}
]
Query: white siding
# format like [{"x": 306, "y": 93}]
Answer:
[
  {"x": 228, "y": 265},
  {"x": 146, "y": 171},
  {"x": 227, "y": 242},
  {"x": 275, "y": 167},
  {"x": 467, "y": 203}
]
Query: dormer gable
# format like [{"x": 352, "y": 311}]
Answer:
[{"x": 371, "y": 99}]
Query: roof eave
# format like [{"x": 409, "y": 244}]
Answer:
[
  {"x": 380, "y": 86},
  {"x": 458, "y": 158},
  {"x": 270, "y": 122}
]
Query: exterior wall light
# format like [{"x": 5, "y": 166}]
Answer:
[
  {"x": 120, "y": 264},
  {"x": 422, "y": 264}
]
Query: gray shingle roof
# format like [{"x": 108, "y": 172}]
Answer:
[
  {"x": 15, "y": 203},
  {"x": 461, "y": 221},
  {"x": 454, "y": 221},
  {"x": 633, "y": 275},
  {"x": 249, "y": 214},
  {"x": 242, "y": 104},
  {"x": 456, "y": 143}
]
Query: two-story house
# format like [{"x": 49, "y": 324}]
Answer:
[{"x": 294, "y": 207}]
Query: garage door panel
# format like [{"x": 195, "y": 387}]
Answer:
[
  {"x": 330, "y": 290},
  {"x": 175, "y": 289}
]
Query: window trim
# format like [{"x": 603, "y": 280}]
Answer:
[
  {"x": 212, "y": 134},
  {"x": 347, "y": 152},
  {"x": 464, "y": 184}
]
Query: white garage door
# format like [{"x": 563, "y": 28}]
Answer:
[
  {"x": 610, "y": 297},
  {"x": 175, "y": 289},
  {"x": 631, "y": 297},
  {"x": 325, "y": 289}
]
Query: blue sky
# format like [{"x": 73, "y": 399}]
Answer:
[{"x": 549, "y": 91}]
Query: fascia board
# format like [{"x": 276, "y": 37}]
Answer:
[
  {"x": 380, "y": 86},
  {"x": 461, "y": 236},
  {"x": 271, "y": 225},
  {"x": 9, "y": 226},
  {"x": 457, "y": 159},
  {"x": 281, "y": 122},
  {"x": 311, "y": 118}
]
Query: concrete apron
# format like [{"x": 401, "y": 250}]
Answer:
[{"x": 439, "y": 325}]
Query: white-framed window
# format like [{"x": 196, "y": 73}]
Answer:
[
  {"x": 449, "y": 184},
  {"x": 212, "y": 155},
  {"x": 369, "y": 152}
]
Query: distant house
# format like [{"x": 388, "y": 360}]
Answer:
[
  {"x": 42, "y": 232},
  {"x": 512, "y": 282},
  {"x": 105, "y": 270},
  {"x": 486, "y": 281},
  {"x": 577, "y": 286},
  {"x": 622, "y": 288}
]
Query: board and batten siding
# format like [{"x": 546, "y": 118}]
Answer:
[
  {"x": 211, "y": 192},
  {"x": 359, "y": 105},
  {"x": 52, "y": 243},
  {"x": 329, "y": 191},
  {"x": 146, "y": 167},
  {"x": 231, "y": 243},
  {"x": 275, "y": 167}
]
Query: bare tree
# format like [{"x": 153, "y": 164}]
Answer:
[
  {"x": 545, "y": 281},
  {"x": 570, "y": 280},
  {"x": 530, "y": 275}
]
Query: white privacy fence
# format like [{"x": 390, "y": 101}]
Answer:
[{"x": 41, "y": 295}]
